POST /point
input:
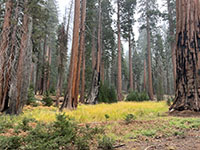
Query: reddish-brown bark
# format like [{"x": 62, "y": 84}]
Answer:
[
  {"x": 119, "y": 72},
  {"x": 69, "y": 96},
  {"x": 145, "y": 75},
  {"x": 81, "y": 48},
  {"x": 187, "y": 96},
  {"x": 22, "y": 54},
  {"x": 19, "y": 90},
  {"x": 150, "y": 87},
  {"x": 4, "y": 45},
  {"x": 130, "y": 65},
  {"x": 82, "y": 97}
]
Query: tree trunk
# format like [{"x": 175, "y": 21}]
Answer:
[
  {"x": 19, "y": 86},
  {"x": 130, "y": 65},
  {"x": 172, "y": 40},
  {"x": 93, "y": 49},
  {"x": 81, "y": 48},
  {"x": 69, "y": 96},
  {"x": 62, "y": 55},
  {"x": 150, "y": 88},
  {"x": 48, "y": 68},
  {"x": 4, "y": 46},
  {"x": 145, "y": 75},
  {"x": 94, "y": 91},
  {"x": 102, "y": 71},
  {"x": 187, "y": 96},
  {"x": 82, "y": 98},
  {"x": 119, "y": 76}
]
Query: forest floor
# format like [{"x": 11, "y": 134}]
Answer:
[{"x": 130, "y": 125}]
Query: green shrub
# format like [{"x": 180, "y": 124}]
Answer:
[
  {"x": 24, "y": 125},
  {"x": 135, "y": 96},
  {"x": 106, "y": 143},
  {"x": 169, "y": 101},
  {"x": 63, "y": 133},
  {"x": 31, "y": 97},
  {"x": 10, "y": 143},
  {"x": 5, "y": 123},
  {"x": 47, "y": 100},
  {"x": 107, "y": 94},
  {"x": 129, "y": 118}
]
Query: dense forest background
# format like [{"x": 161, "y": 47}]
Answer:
[{"x": 97, "y": 54}]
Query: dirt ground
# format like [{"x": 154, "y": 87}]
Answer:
[{"x": 190, "y": 141}]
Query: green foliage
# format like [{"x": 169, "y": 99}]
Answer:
[
  {"x": 169, "y": 101},
  {"x": 31, "y": 97},
  {"x": 63, "y": 133},
  {"x": 135, "y": 96},
  {"x": 107, "y": 94},
  {"x": 10, "y": 143},
  {"x": 24, "y": 125},
  {"x": 107, "y": 116},
  {"x": 129, "y": 118},
  {"x": 106, "y": 143},
  {"x": 47, "y": 100},
  {"x": 149, "y": 132},
  {"x": 52, "y": 91},
  {"x": 5, "y": 124}
]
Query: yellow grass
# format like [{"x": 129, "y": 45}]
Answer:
[{"x": 96, "y": 113}]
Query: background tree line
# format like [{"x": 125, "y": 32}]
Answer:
[{"x": 40, "y": 52}]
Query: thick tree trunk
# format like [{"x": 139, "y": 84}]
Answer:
[
  {"x": 81, "y": 48},
  {"x": 130, "y": 65},
  {"x": 4, "y": 48},
  {"x": 172, "y": 40},
  {"x": 187, "y": 96},
  {"x": 94, "y": 91},
  {"x": 119, "y": 75},
  {"x": 19, "y": 86},
  {"x": 150, "y": 87},
  {"x": 69, "y": 96}
]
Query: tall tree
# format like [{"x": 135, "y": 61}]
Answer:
[
  {"x": 128, "y": 10},
  {"x": 81, "y": 48},
  {"x": 187, "y": 96},
  {"x": 63, "y": 38},
  {"x": 119, "y": 72},
  {"x": 108, "y": 40},
  {"x": 149, "y": 16},
  {"x": 171, "y": 19},
  {"x": 69, "y": 99},
  {"x": 14, "y": 89},
  {"x": 93, "y": 94},
  {"x": 19, "y": 88},
  {"x": 4, "y": 46}
]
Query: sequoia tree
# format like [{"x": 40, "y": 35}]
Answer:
[
  {"x": 187, "y": 96},
  {"x": 70, "y": 96},
  {"x": 94, "y": 91},
  {"x": 119, "y": 64},
  {"x": 128, "y": 10}
]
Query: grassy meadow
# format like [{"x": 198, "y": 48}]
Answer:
[
  {"x": 106, "y": 125},
  {"x": 98, "y": 113}
]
